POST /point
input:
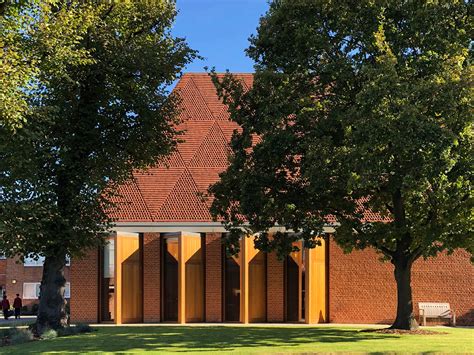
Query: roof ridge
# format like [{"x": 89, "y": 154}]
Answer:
[{"x": 218, "y": 73}]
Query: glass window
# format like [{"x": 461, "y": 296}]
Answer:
[
  {"x": 109, "y": 259},
  {"x": 31, "y": 290},
  {"x": 107, "y": 285},
  {"x": 67, "y": 291}
]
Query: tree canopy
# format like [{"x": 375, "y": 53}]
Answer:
[
  {"x": 31, "y": 35},
  {"x": 95, "y": 107},
  {"x": 360, "y": 116}
]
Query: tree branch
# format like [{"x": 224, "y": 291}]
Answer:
[
  {"x": 383, "y": 249},
  {"x": 3, "y": 7},
  {"x": 415, "y": 254},
  {"x": 107, "y": 13}
]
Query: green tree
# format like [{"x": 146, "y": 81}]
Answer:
[
  {"x": 29, "y": 36},
  {"x": 364, "y": 115},
  {"x": 88, "y": 124}
]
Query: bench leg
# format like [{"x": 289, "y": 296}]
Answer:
[
  {"x": 424, "y": 320},
  {"x": 453, "y": 320}
]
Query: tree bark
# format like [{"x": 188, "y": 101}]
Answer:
[
  {"x": 405, "y": 316},
  {"x": 52, "y": 306}
]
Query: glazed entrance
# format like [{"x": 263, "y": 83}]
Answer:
[
  {"x": 182, "y": 283},
  {"x": 121, "y": 282}
]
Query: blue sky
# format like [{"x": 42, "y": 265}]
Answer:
[{"x": 219, "y": 30}]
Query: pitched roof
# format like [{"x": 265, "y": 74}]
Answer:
[{"x": 171, "y": 191}]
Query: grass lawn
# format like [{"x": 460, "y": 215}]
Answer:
[{"x": 162, "y": 339}]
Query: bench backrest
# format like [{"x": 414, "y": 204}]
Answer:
[{"x": 434, "y": 309}]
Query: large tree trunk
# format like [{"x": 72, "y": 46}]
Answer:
[
  {"x": 405, "y": 317},
  {"x": 52, "y": 306}
]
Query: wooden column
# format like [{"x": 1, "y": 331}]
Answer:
[
  {"x": 244, "y": 279},
  {"x": 128, "y": 288},
  {"x": 247, "y": 305},
  {"x": 316, "y": 284},
  {"x": 189, "y": 244}
]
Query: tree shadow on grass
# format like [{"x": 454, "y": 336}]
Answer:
[{"x": 201, "y": 339}]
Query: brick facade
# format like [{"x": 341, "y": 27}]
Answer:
[
  {"x": 362, "y": 289},
  {"x": 213, "y": 271},
  {"x": 275, "y": 289},
  {"x": 85, "y": 288},
  {"x": 3, "y": 273},
  {"x": 151, "y": 277}
]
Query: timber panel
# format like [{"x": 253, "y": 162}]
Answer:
[
  {"x": 195, "y": 288},
  {"x": 316, "y": 284},
  {"x": 128, "y": 279},
  {"x": 257, "y": 288}
]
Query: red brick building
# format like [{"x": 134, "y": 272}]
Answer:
[
  {"x": 24, "y": 278},
  {"x": 165, "y": 262}
]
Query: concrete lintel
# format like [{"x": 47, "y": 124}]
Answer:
[{"x": 193, "y": 227}]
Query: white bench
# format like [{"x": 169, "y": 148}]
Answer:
[{"x": 436, "y": 310}]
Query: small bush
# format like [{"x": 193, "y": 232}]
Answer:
[
  {"x": 20, "y": 336},
  {"x": 49, "y": 334}
]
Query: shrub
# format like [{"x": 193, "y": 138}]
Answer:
[
  {"x": 19, "y": 336},
  {"x": 49, "y": 334}
]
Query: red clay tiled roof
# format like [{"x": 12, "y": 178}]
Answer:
[{"x": 171, "y": 191}]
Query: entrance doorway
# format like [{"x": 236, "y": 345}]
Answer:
[
  {"x": 107, "y": 281},
  {"x": 295, "y": 286},
  {"x": 182, "y": 277},
  {"x": 121, "y": 281},
  {"x": 231, "y": 289},
  {"x": 257, "y": 288},
  {"x": 170, "y": 278}
]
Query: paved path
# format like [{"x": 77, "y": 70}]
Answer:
[
  {"x": 24, "y": 320},
  {"x": 265, "y": 325}
]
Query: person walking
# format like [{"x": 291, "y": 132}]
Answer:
[
  {"x": 17, "y": 304},
  {"x": 5, "y": 307}
]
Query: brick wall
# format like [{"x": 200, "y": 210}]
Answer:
[
  {"x": 213, "y": 271},
  {"x": 16, "y": 271},
  {"x": 3, "y": 272},
  {"x": 362, "y": 289},
  {"x": 85, "y": 288},
  {"x": 151, "y": 277},
  {"x": 275, "y": 289}
]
